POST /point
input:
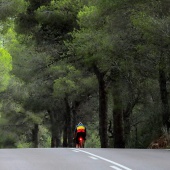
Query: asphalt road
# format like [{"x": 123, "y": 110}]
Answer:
[{"x": 84, "y": 159}]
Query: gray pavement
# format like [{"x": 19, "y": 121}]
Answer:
[{"x": 84, "y": 159}]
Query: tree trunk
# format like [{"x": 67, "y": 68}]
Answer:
[
  {"x": 35, "y": 136},
  {"x": 102, "y": 108},
  {"x": 70, "y": 135},
  {"x": 74, "y": 118},
  {"x": 136, "y": 136},
  {"x": 127, "y": 126},
  {"x": 55, "y": 139},
  {"x": 55, "y": 129},
  {"x": 117, "y": 111},
  {"x": 164, "y": 93},
  {"x": 75, "y": 111},
  {"x": 67, "y": 135},
  {"x": 126, "y": 116}
]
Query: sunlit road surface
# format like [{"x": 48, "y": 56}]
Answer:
[{"x": 84, "y": 159}]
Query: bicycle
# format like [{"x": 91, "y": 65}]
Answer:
[{"x": 81, "y": 142}]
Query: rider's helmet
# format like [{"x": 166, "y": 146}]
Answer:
[{"x": 79, "y": 124}]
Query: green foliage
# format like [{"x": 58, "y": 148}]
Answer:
[
  {"x": 58, "y": 17},
  {"x": 44, "y": 137},
  {"x": 66, "y": 84},
  {"x": 92, "y": 139},
  {"x": 23, "y": 144},
  {"x": 71, "y": 81},
  {"x": 86, "y": 16},
  {"x": 7, "y": 139},
  {"x": 63, "y": 85},
  {"x": 10, "y": 8},
  {"x": 6, "y": 67}
]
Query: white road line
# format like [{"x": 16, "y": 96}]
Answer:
[
  {"x": 93, "y": 157},
  {"x": 76, "y": 151},
  {"x": 107, "y": 160},
  {"x": 116, "y": 168}
]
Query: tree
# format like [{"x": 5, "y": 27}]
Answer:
[
  {"x": 10, "y": 8},
  {"x": 73, "y": 87},
  {"x": 49, "y": 34},
  {"x": 86, "y": 43},
  {"x": 156, "y": 36}
]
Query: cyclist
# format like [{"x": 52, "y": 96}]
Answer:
[{"x": 80, "y": 132}]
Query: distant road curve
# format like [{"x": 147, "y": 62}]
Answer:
[{"x": 84, "y": 159}]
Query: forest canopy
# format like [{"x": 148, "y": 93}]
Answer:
[{"x": 105, "y": 63}]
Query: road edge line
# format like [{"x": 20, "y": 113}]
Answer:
[{"x": 107, "y": 160}]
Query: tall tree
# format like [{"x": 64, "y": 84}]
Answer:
[
  {"x": 156, "y": 36},
  {"x": 86, "y": 43}
]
